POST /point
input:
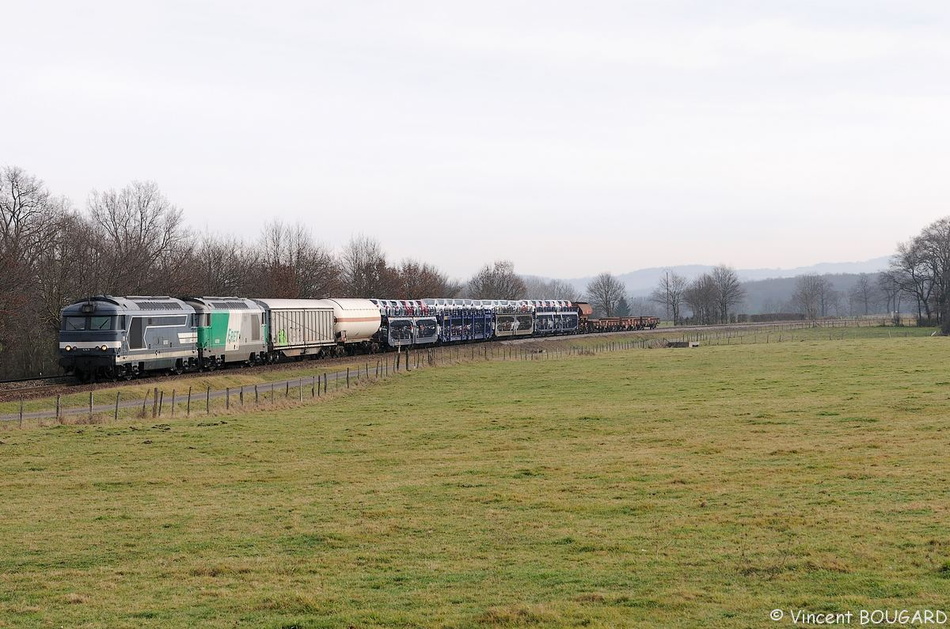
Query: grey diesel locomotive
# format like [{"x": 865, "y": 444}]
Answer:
[{"x": 121, "y": 337}]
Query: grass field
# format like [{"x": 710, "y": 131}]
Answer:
[
  {"x": 142, "y": 390},
  {"x": 668, "y": 488}
]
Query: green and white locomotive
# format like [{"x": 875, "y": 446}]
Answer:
[{"x": 229, "y": 330}]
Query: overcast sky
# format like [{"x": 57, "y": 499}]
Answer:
[{"x": 571, "y": 138}]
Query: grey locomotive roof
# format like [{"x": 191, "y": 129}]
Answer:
[
  {"x": 142, "y": 303},
  {"x": 223, "y": 303}
]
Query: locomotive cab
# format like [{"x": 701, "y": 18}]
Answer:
[{"x": 91, "y": 336}]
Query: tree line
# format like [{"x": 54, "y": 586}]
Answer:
[
  {"x": 710, "y": 298},
  {"x": 918, "y": 276},
  {"x": 920, "y": 272}
]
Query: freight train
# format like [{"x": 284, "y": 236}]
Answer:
[{"x": 106, "y": 337}]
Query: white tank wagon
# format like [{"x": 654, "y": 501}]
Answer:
[
  {"x": 355, "y": 323},
  {"x": 298, "y": 327}
]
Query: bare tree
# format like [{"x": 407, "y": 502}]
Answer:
[
  {"x": 829, "y": 300},
  {"x": 68, "y": 266},
  {"x": 670, "y": 294},
  {"x": 604, "y": 293},
  {"x": 28, "y": 217},
  {"x": 890, "y": 288},
  {"x": 25, "y": 212},
  {"x": 729, "y": 290},
  {"x": 934, "y": 246},
  {"x": 497, "y": 281},
  {"x": 863, "y": 294},
  {"x": 224, "y": 265},
  {"x": 911, "y": 271},
  {"x": 143, "y": 237},
  {"x": 702, "y": 297},
  {"x": 315, "y": 271},
  {"x": 418, "y": 280},
  {"x": 364, "y": 269},
  {"x": 813, "y": 296},
  {"x": 537, "y": 288}
]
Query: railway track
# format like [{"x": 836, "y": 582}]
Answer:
[{"x": 36, "y": 382}]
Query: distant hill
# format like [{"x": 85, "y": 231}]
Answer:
[{"x": 641, "y": 283}]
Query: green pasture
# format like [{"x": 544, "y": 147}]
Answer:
[{"x": 635, "y": 488}]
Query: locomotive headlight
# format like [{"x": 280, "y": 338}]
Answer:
[
  {"x": 68, "y": 348},
  {"x": 104, "y": 347}
]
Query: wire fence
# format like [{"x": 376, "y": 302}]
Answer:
[{"x": 161, "y": 402}]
